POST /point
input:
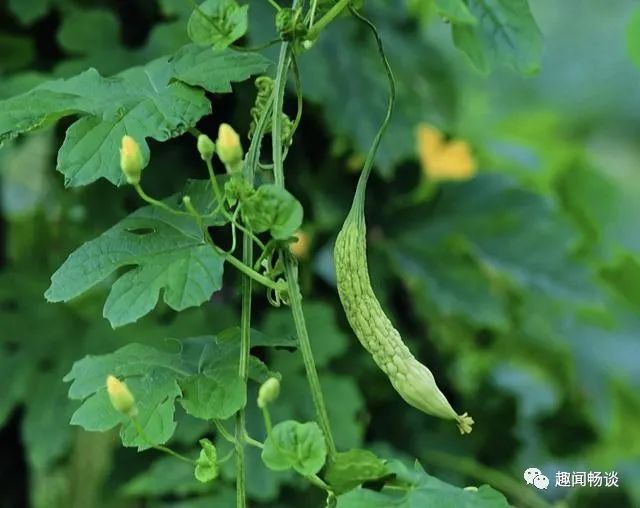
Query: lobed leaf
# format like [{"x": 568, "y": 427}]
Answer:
[
  {"x": 169, "y": 254},
  {"x": 143, "y": 102}
]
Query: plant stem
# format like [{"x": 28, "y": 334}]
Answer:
[
  {"x": 295, "y": 301},
  {"x": 251, "y": 161},
  {"x": 276, "y": 120},
  {"x": 160, "y": 448},
  {"x": 291, "y": 268},
  {"x": 315, "y": 30},
  {"x": 224, "y": 432}
]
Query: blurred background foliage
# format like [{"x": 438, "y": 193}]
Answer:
[{"x": 518, "y": 283}]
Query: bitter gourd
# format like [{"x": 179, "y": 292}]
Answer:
[{"x": 411, "y": 379}]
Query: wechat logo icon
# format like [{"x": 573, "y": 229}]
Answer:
[{"x": 533, "y": 476}]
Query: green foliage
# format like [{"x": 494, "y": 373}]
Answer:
[
  {"x": 218, "y": 23},
  {"x": 169, "y": 251},
  {"x": 421, "y": 489},
  {"x": 273, "y": 209},
  {"x": 148, "y": 102},
  {"x": 497, "y": 31},
  {"x": 203, "y": 376},
  {"x": 206, "y": 467},
  {"x": 300, "y": 446},
  {"x": 352, "y": 468},
  {"x": 346, "y": 62}
]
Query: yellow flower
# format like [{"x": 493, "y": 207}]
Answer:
[
  {"x": 229, "y": 146},
  {"x": 131, "y": 161},
  {"x": 120, "y": 396},
  {"x": 441, "y": 159},
  {"x": 300, "y": 249}
]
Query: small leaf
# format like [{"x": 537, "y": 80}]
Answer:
[
  {"x": 352, "y": 468},
  {"x": 208, "y": 397},
  {"x": 300, "y": 446},
  {"x": 206, "y": 467},
  {"x": 274, "y": 209},
  {"x": 218, "y": 22}
]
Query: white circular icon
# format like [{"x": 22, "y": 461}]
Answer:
[
  {"x": 541, "y": 482},
  {"x": 533, "y": 475},
  {"x": 530, "y": 474}
]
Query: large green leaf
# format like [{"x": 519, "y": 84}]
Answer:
[
  {"x": 505, "y": 32},
  {"x": 156, "y": 378},
  {"x": 144, "y": 102},
  {"x": 424, "y": 490},
  {"x": 169, "y": 252},
  {"x": 481, "y": 239}
]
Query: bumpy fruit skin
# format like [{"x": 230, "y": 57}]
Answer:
[{"x": 412, "y": 380}]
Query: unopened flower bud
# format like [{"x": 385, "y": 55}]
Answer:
[
  {"x": 121, "y": 398},
  {"x": 228, "y": 145},
  {"x": 268, "y": 392},
  {"x": 206, "y": 147},
  {"x": 131, "y": 161}
]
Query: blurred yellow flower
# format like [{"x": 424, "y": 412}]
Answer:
[
  {"x": 300, "y": 249},
  {"x": 441, "y": 159}
]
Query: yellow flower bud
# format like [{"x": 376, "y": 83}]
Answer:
[
  {"x": 229, "y": 146},
  {"x": 121, "y": 398},
  {"x": 300, "y": 249},
  {"x": 131, "y": 161},
  {"x": 206, "y": 147},
  {"x": 268, "y": 392}
]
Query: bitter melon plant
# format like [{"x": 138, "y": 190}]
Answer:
[{"x": 171, "y": 248}]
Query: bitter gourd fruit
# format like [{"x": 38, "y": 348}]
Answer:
[{"x": 411, "y": 379}]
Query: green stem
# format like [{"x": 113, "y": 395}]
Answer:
[
  {"x": 224, "y": 432},
  {"x": 295, "y": 298},
  {"x": 217, "y": 194},
  {"x": 317, "y": 481},
  {"x": 267, "y": 420},
  {"x": 253, "y": 442},
  {"x": 276, "y": 119},
  {"x": 156, "y": 202},
  {"x": 295, "y": 301},
  {"x": 160, "y": 448},
  {"x": 245, "y": 316},
  {"x": 315, "y": 30}
]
